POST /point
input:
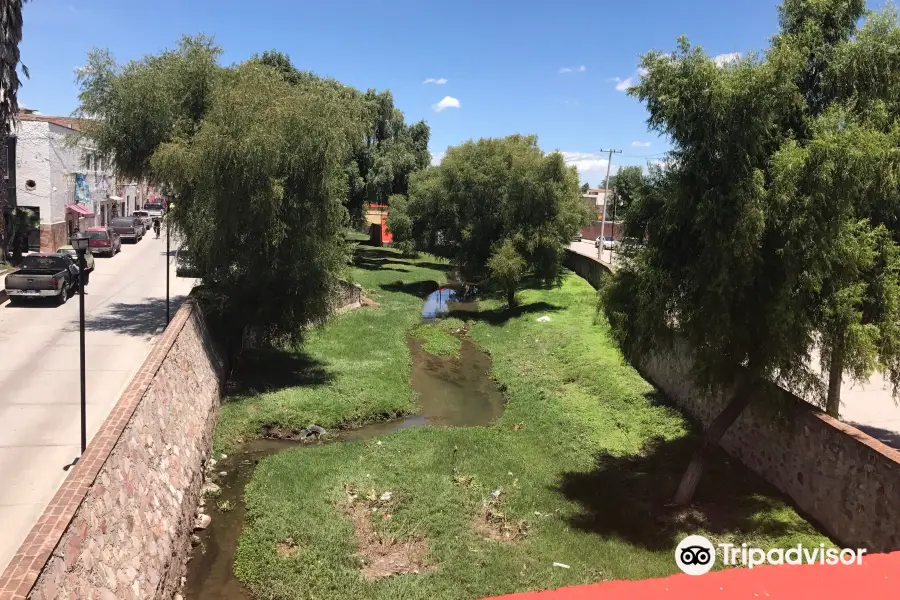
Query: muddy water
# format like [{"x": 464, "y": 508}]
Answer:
[{"x": 451, "y": 392}]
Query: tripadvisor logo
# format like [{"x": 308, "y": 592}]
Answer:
[{"x": 696, "y": 555}]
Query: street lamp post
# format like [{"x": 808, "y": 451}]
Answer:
[
  {"x": 80, "y": 242},
  {"x": 168, "y": 268}
]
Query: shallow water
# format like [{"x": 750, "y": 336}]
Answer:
[
  {"x": 447, "y": 299},
  {"x": 451, "y": 392}
]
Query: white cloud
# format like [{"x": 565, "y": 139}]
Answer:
[
  {"x": 440, "y": 81},
  {"x": 447, "y": 102},
  {"x": 624, "y": 84},
  {"x": 640, "y": 144},
  {"x": 437, "y": 157},
  {"x": 723, "y": 59},
  {"x": 580, "y": 69},
  {"x": 591, "y": 167}
]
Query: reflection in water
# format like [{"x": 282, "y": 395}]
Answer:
[
  {"x": 440, "y": 303},
  {"x": 451, "y": 392}
]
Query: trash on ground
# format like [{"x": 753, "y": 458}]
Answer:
[
  {"x": 562, "y": 566},
  {"x": 543, "y": 319},
  {"x": 386, "y": 496},
  {"x": 496, "y": 493}
]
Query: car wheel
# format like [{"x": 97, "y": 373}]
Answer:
[{"x": 63, "y": 294}]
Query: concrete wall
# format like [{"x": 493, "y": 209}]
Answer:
[
  {"x": 848, "y": 482},
  {"x": 119, "y": 527}
]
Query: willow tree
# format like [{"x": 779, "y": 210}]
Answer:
[
  {"x": 256, "y": 166},
  {"x": 724, "y": 268},
  {"x": 494, "y": 198}
]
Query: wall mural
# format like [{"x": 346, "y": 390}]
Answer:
[{"x": 83, "y": 192}]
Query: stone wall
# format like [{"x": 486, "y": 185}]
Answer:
[
  {"x": 119, "y": 527},
  {"x": 845, "y": 480},
  {"x": 589, "y": 269},
  {"x": 350, "y": 296}
]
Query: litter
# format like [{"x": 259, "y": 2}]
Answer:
[
  {"x": 386, "y": 496},
  {"x": 543, "y": 319},
  {"x": 562, "y": 566},
  {"x": 496, "y": 494}
]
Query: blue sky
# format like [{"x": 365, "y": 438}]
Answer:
[{"x": 503, "y": 61}]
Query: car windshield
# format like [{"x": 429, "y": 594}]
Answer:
[
  {"x": 123, "y": 222},
  {"x": 98, "y": 235},
  {"x": 66, "y": 251},
  {"x": 44, "y": 262},
  {"x": 153, "y": 206},
  {"x": 141, "y": 213}
]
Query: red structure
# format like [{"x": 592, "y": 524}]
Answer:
[{"x": 878, "y": 577}]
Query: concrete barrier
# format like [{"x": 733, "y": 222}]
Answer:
[
  {"x": 847, "y": 481},
  {"x": 120, "y": 525}
]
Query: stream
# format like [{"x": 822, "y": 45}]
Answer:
[{"x": 451, "y": 392}]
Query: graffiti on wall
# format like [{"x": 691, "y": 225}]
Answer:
[{"x": 83, "y": 192}]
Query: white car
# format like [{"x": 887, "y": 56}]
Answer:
[{"x": 608, "y": 242}]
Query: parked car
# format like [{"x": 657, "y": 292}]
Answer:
[
  {"x": 608, "y": 242},
  {"x": 42, "y": 276},
  {"x": 88, "y": 260},
  {"x": 145, "y": 218},
  {"x": 129, "y": 228},
  {"x": 156, "y": 208},
  {"x": 104, "y": 240}
]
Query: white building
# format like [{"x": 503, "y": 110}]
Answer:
[
  {"x": 64, "y": 184},
  {"x": 595, "y": 198}
]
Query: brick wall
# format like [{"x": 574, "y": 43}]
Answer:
[
  {"x": 119, "y": 526},
  {"x": 53, "y": 236},
  {"x": 848, "y": 482}
]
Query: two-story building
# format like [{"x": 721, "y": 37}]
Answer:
[
  {"x": 63, "y": 183},
  {"x": 594, "y": 199}
]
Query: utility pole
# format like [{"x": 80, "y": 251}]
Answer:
[{"x": 605, "y": 202}]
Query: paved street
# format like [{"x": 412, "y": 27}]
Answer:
[
  {"x": 125, "y": 309},
  {"x": 868, "y": 406}
]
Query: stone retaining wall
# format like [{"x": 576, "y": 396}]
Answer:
[
  {"x": 119, "y": 527},
  {"x": 847, "y": 481}
]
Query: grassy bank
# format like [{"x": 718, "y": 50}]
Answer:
[
  {"x": 353, "y": 370},
  {"x": 577, "y": 471}
]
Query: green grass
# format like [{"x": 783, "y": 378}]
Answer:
[
  {"x": 585, "y": 453},
  {"x": 351, "y": 371},
  {"x": 438, "y": 339}
]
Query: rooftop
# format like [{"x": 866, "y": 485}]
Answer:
[{"x": 28, "y": 114}]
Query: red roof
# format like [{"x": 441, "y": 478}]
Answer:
[
  {"x": 80, "y": 209},
  {"x": 67, "y": 122}
]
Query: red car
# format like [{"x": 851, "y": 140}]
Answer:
[{"x": 104, "y": 240}]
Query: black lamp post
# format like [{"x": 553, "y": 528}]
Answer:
[
  {"x": 169, "y": 208},
  {"x": 80, "y": 242}
]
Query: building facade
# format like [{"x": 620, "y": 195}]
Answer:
[
  {"x": 594, "y": 199},
  {"x": 64, "y": 184}
]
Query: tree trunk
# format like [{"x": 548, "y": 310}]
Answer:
[
  {"x": 511, "y": 297},
  {"x": 835, "y": 371},
  {"x": 711, "y": 438}
]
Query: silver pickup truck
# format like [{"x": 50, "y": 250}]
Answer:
[{"x": 43, "y": 276}]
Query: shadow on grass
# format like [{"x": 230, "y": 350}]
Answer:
[
  {"x": 420, "y": 289},
  {"x": 498, "y": 316},
  {"x": 272, "y": 370},
  {"x": 627, "y": 496}
]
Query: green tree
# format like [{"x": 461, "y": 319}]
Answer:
[
  {"x": 495, "y": 195},
  {"x": 256, "y": 167},
  {"x": 506, "y": 267},
  {"x": 10, "y": 37},
  {"x": 585, "y": 188},
  {"x": 626, "y": 187},
  {"x": 727, "y": 267}
]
